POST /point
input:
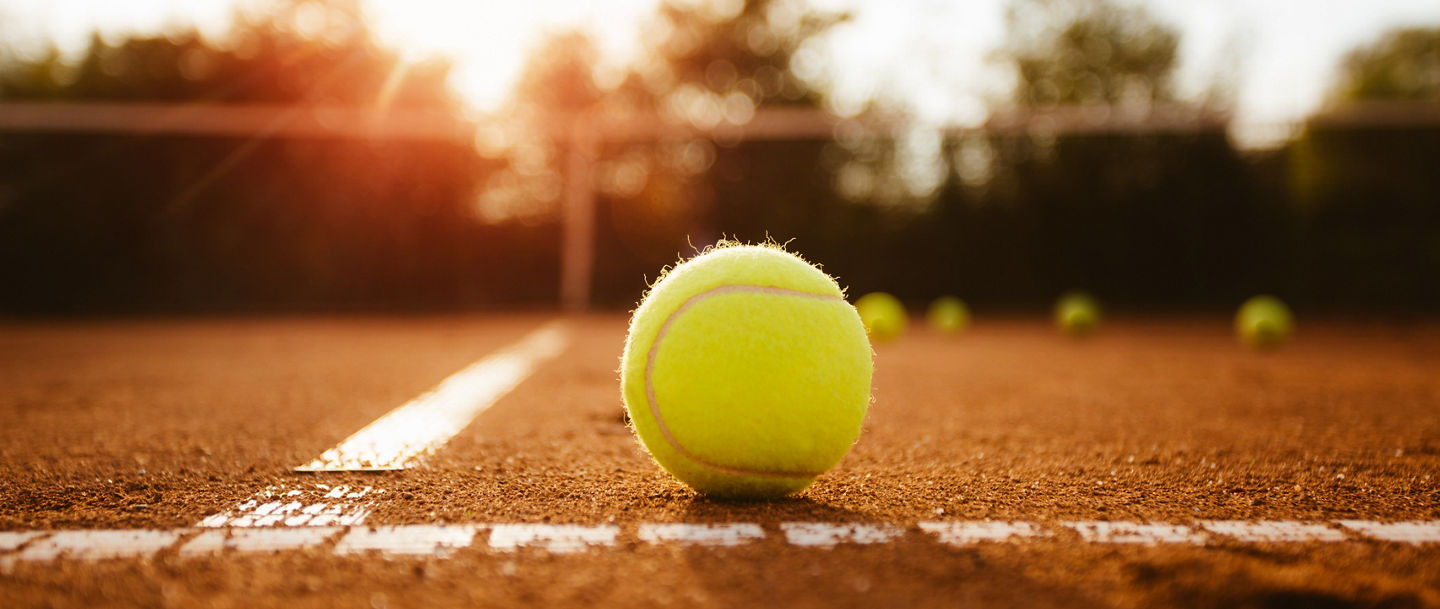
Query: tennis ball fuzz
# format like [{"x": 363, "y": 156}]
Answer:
[
  {"x": 948, "y": 315},
  {"x": 1264, "y": 322},
  {"x": 882, "y": 315},
  {"x": 746, "y": 374},
  {"x": 1077, "y": 313}
]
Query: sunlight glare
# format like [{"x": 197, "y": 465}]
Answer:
[{"x": 489, "y": 40}]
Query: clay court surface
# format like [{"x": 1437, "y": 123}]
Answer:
[{"x": 160, "y": 425}]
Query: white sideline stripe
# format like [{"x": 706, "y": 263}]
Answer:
[
  {"x": 441, "y": 540},
  {"x": 310, "y": 505},
  {"x": 397, "y": 440},
  {"x": 553, "y": 538},
  {"x": 417, "y": 540},
  {"x": 415, "y": 428},
  {"x": 274, "y": 539},
  {"x": 732, "y": 534},
  {"x": 1105, "y": 531},
  {"x": 969, "y": 533},
  {"x": 1414, "y": 532},
  {"x": 1263, "y": 531},
  {"x": 828, "y": 535},
  {"x": 11, "y": 540},
  {"x": 101, "y": 544}
]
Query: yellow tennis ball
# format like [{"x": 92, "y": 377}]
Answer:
[
  {"x": 1264, "y": 322},
  {"x": 746, "y": 373},
  {"x": 882, "y": 314},
  {"x": 948, "y": 315},
  {"x": 1077, "y": 313}
]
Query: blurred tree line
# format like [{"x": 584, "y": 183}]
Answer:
[
  {"x": 1367, "y": 200},
  {"x": 1164, "y": 218},
  {"x": 1338, "y": 219},
  {"x": 704, "y": 64},
  {"x": 116, "y": 223}
]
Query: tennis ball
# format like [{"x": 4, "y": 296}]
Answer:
[
  {"x": 1264, "y": 322},
  {"x": 882, "y": 314},
  {"x": 948, "y": 314},
  {"x": 746, "y": 374},
  {"x": 1077, "y": 313}
]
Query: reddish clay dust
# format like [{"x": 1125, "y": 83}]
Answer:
[{"x": 125, "y": 424}]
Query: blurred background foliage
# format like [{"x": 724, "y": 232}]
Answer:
[
  {"x": 1368, "y": 200},
  {"x": 1088, "y": 52},
  {"x": 1403, "y": 65},
  {"x": 1344, "y": 220}
]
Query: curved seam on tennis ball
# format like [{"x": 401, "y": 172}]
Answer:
[{"x": 650, "y": 368}]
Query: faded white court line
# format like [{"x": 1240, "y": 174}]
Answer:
[
  {"x": 1413, "y": 532},
  {"x": 553, "y": 538},
  {"x": 1105, "y": 531},
  {"x": 1281, "y": 531},
  {"x": 399, "y": 439},
  {"x": 969, "y": 533},
  {"x": 312, "y": 505},
  {"x": 414, "y": 540},
  {"x": 10, "y": 540},
  {"x": 732, "y": 534},
  {"x": 441, "y": 540},
  {"x": 96, "y": 545},
  {"x": 826, "y": 535},
  {"x": 426, "y": 423},
  {"x": 275, "y": 539}
]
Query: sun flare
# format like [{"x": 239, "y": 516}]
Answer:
[{"x": 489, "y": 41}]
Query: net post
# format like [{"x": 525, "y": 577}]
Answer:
[{"x": 578, "y": 233}]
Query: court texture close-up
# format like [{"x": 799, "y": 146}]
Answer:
[{"x": 312, "y": 462}]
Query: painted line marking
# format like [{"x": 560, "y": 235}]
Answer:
[
  {"x": 970, "y": 533},
  {"x": 732, "y": 534},
  {"x": 828, "y": 535},
  {"x": 12, "y": 540},
  {"x": 415, "y": 428},
  {"x": 553, "y": 538},
  {"x": 1150, "y": 533},
  {"x": 101, "y": 544},
  {"x": 399, "y": 439},
  {"x": 1272, "y": 531},
  {"x": 1414, "y": 532},
  {"x": 312, "y": 505},
  {"x": 413, "y": 540},
  {"x": 440, "y": 540},
  {"x": 274, "y": 539}
]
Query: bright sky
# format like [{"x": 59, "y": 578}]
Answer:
[{"x": 928, "y": 53}]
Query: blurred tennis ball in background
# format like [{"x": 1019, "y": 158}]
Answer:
[
  {"x": 883, "y": 316},
  {"x": 746, "y": 374},
  {"x": 1264, "y": 322},
  {"x": 948, "y": 315},
  {"x": 1077, "y": 313}
]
